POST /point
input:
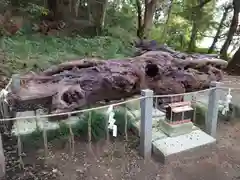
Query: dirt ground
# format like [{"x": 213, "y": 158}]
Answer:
[{"x": 119, "y": 160}]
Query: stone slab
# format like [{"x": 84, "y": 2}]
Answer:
[
  {"x": 157, "y": 114},
  {"x": 176, "y": 129},
  {"x": 134, "y": 105},
  {"x": 170, "y": 147},
  {"x": 156, "y": 132},
  {"x": 27, "y": 126}
]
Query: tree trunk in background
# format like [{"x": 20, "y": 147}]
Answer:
[
  {"x": 15, "y": 3},
  {"x": 215, "y": 40},
  {"x": 232, "y": 30},
  {"x": 58, "y": 9},
  {"x": 165, "y": 28},
  {"x": 235, "y": 45},
  {"x": 144, "y": 25},
  {"x": 192, "y": 43},
  {"x": 150, "y": 7},
  {"x": 98, "y": 13},
  {"x": 234, "y": 64},
  {"x": 139, "y": 15},
  {"x": 197, "y": 10},
  {"x": 88, "y": 12},
  {"x": 52, "y": 5}
]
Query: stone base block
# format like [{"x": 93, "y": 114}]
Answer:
[
  {"x": 27, "y": 126},
  {"x": 176, "y": 129},
  {"x": 156, "y": 132},
  {"x": 134, "y": 105},
  {"x": 180, "y": 147}
]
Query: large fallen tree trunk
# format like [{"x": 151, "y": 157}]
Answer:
[{"x": 80, "y": 83}]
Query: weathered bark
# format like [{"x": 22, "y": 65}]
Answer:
[
  {"x": 232, "y": 30},
  {"x": 221, "y": 24},
  {"x": 80, "y": 83},
  {"x": 234, "y": 64}
]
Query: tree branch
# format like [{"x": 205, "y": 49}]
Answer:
[
  {"x": 139, "y": 15},
  {"x": 203, "y": 3}
]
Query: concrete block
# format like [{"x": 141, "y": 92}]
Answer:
[
  {"x": 158, "y": 113},
  {"x": 173, "y": 148},
  {"x": 136, "y": 127},
  {"x": 158, "y": 134},
  {"x": 27, "y": 126},
  {"x": 72, "y": 120},
  {"x": 136, "y": 114},
  {"x": 176, "y": 129},
  {"x": 133, "y": 105}
]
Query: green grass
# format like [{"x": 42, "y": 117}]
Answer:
[
  {"x": 36, "y": 52},
  {"x": 204, "y": 51},
  {"x": 80, "y": 129}
]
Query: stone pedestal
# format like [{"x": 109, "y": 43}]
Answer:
[
  {"x": 133, "y": 105},
  {"x": 180, "y": 147},
  {"x": 176, "y": 129}
]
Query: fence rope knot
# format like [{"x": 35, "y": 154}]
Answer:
[
  {"x": 112, "y": 121},
  {"x": 227, "y": 102}
]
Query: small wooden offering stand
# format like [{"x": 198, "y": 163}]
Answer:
[{"x": 179, "y": 113}]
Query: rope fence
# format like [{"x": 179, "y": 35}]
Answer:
[
  {"x": 103, "y": 107},
  {"x": 89, "y": 111},
  {"x": 72, "y": 112}
]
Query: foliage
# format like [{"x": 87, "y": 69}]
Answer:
[
  {"x": 26, "y": 50},
  {"x": 121, "y": 116},
  {"x": 178, "y": 34},
  {"x": 121, "y": 23},
  {"x": 80, "y": 129},
  {"x": 36, "y": 52},
  {"x": 204, "y": 51},
  {"x": 179, "y": 25},
  {"x": 34, "y": 11}
]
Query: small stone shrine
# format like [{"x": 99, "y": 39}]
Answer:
[{"x": 178, "y": 119}]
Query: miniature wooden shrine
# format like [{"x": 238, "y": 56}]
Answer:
[{"x": 178, "y": 113}]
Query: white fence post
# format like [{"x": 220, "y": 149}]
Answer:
[
  {"x": 146, "y": 123},
  {"x": 2, "y": 159},
  {"x": 16, "y": 82},
  {"x": 212, "y": 113}
]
